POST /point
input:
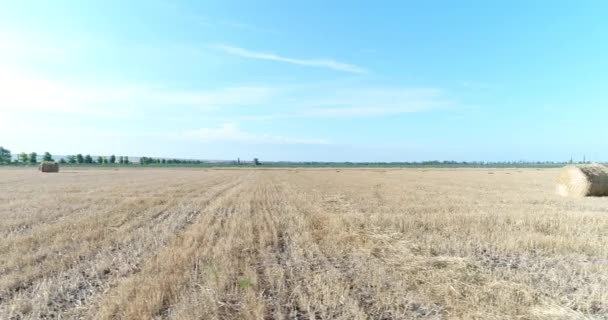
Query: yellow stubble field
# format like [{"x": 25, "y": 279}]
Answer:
[{"x": 299, "y": 244}]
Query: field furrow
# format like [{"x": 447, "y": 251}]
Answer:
[
  {"x": 119, "y": 246},
  {"x": 299, "y": 244}
]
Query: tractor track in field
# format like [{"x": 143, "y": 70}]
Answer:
[{"x": 89, "y": 275}]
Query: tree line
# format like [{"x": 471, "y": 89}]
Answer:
[
  {"x": 87, "y": 159},
  {"x": 32, "y": 158},
  {"x": 6, "y": 157},
  {"x": 149, "y": 160}
]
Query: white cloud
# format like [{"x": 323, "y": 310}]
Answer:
[
  {"x": 324, "y": 63},
  {"x": 379, "y": 101},
  {"x": 15, "y": 45},
  {"x": 24, "y": 92},
  {"x": 231, "y": 132},
  {"x": 227, "y": 132},
  {"x": 224, "y": 97}
]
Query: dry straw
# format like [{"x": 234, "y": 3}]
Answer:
[
  {"x": 49, "y": 166},
  {"x": 583, "y": 180}
]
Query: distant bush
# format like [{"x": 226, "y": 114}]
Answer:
[{"x": 5, "y": 155}]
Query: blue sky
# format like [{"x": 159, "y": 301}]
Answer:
[{"x": 314, "y": 80}]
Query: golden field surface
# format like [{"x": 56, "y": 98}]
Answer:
[{"x": 299, "y": 244}]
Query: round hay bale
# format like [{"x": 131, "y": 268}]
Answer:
[
  {"x": 583, "y": 181},
  {"x": 49, "y": 166}
]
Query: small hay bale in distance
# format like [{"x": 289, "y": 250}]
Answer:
[
  {"x": 49, "y": 166},
  {"x": 587, "y": 180}
]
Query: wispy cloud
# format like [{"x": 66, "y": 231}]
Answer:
[
  {"x": 24, "y": 92},
  {"x": 217, "y": 98},
  {"x": 231, "y": 132},
  {"x": 322, "y": 63},
  {"x": 361, "y": 102}
]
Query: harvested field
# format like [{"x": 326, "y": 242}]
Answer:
[{"x": 299, "y": 244}]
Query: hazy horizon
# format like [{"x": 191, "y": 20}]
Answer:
[{"x": 135, "y": 159}]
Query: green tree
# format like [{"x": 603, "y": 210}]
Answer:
[
  {"x": 47, "y": 157},
  {"x": 5, "y": 155},
  {"x": 88, "y": 159},
  {"x": 112, "y": 159},
  {"x": 33, "y": 157},
  {"x": 79, "y": 158},
  {"x": 23, "y": 158},
  {"x": 99, "y": 160},
  {"x": 105, "y": 160},
  {"x": 72, "y": 159},
  {"x": 127, "y": 160},
  {"x": 62, "y": 161}
]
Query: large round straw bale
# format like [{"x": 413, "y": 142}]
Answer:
[
  {"x": 583, "y": 180},
  {"x": 49, "y": 166}
]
